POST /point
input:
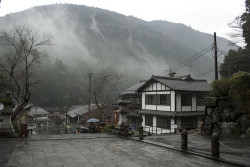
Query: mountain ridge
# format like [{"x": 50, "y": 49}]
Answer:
[{"x": 87, "y": 39}]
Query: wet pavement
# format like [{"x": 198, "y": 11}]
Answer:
[
  {"x": 98, "y": 150},
  {"x": 6, "y": 149},
  {"x": 235, "y": 150}
]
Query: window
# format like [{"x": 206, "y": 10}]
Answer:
[
  {"x": 150, "y": 99},
  {"x": 163, "y": 122},
  {"x": 148, "y": 120},
  {"x": 164, "y": 99},
  {"x": 134, "y": 100},
  {"x": 160, "y": 99},
  {"x": 186, "y": 99},
  {"x": 188, "y": 122}
]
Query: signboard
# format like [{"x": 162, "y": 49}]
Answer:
[
  {"x": 174, "y": 126},
  {"x": 31, "y": 126}
]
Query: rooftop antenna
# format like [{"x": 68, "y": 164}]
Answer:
[
  {"x": 171, "y": 74},
  {"x": 190, "y": 69}
]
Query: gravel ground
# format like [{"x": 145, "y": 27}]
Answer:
[{"x": 6, "y": 150}]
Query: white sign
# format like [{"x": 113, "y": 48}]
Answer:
[
  {"x": 174, "y": 126},
  {"x": 31, "y": 126}
]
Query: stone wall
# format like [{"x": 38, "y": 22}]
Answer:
[{"x": 223, "y": 119}]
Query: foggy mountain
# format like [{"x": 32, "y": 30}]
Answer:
[{"x": 87, "y": 39}]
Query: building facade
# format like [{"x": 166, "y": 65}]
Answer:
[
  {"x": 169, "y": 104},
  {"x": 131, "y": 94}
]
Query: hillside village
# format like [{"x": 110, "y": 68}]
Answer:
[{"x": 80, "y": 86}]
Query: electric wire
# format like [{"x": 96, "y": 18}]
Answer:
[
  {"x": 204, "y": 73},
  {"x": 192, "y": 58}
]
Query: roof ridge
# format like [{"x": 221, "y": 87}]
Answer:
[{"x": 180, "y": 78}]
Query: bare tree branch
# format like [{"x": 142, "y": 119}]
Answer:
[
  {"x": 22, "y": 51},
  {"x": 105, "y": 88}
]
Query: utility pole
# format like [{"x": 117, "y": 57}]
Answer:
[
  {"x": 215, "y": 57},
  {"x": 66, "y": 110},
  {"x": 229, "y": 70},
  {"x": 36, "y": 117},
  {"x": 89, "y": 76},
  {"x": 66, "y": 113}
]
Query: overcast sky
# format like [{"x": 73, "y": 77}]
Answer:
[{"x": 203, "y": 15}]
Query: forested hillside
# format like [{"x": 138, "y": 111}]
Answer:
[{"x": 87, "y": 39}]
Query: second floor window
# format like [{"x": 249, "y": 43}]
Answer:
[
  {"x": 163, "y": 99},
  {"x": 159, "y": 99},
  {"x": 134, "y": 100},
  {"x": 186, "y": 99},
  {"x": 150, "y": 99}
]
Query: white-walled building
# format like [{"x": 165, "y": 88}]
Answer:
[{"x": 169, "y": 104}]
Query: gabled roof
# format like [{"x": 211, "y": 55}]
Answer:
[
  {"x": 37, "y": 111},
  {"x": 183, "y": 83},
  {"x": 133, "y": 89},
  {"x": 80, "y": 110}
]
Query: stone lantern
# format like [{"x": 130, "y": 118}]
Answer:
[
  {"x": 6, "y": 128},
  {"x": 122, "y": 111}
]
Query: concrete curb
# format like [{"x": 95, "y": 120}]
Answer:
[
  {"x": 42, "y": 139},
  {"x": 188, "y": 152}
]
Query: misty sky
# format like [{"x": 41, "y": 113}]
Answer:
[{"x": 204, "y": 15}]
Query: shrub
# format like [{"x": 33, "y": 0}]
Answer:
[{"x": 108, "y": 128}]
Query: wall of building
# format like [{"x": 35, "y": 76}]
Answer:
[
  {"x": 158, "y": 88},
  {"x": 156, "y": 130},
  {"x": 178, "y": 102},
  {"x": 176, "y": 105}
]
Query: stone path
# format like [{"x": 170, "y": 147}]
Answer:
[
  {"x": 6, "y": 149},
  {"x": 99, "y": 151}
]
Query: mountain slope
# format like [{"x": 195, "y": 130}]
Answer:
[
  {"x": 87, "y": 39},
  {"x": 88, "y": 36}
]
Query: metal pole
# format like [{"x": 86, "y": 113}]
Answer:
[
  {"x": 36, "y": 117},
  {"x": 140, "y": 132},
  {"x": 215, "y": 57},
  {"x": 66, "y": 113},
  {"x": 90, "y": 89}
]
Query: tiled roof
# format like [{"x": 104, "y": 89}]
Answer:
[
  {"x": 184, "y": 83},
  {"x": 133, "y": 89},
  {"x": 37, "y": 111},
  {"x": 80, "y": 110}
]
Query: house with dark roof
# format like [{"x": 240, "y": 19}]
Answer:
[
  {"x": 39, "y": 115},
  {"x": 131, "y": 94},
  {"x": 169, "y": 104},
  {"x": 78, "y": 111}
]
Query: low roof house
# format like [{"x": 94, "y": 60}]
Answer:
[{"x": 168, "y": 104}]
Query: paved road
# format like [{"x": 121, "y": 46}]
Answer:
[
  {"x": 99, "y": 151},
  {"x": 6, "y": 149},
  {"x": 235, "y": 150}
]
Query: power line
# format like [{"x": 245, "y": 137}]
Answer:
[
  {"x": 192, "y": 58},
  {"x": 204, "y": 73},
  {"x": 221, "y": 52}
]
